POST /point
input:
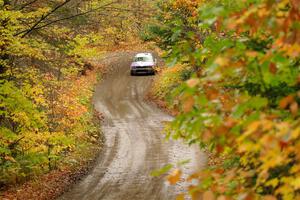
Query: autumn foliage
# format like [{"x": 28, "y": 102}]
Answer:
[
  {"x": 242, "y": 98},
  {"x": 49, "y": 63},
  {"x": 46, "y": 84}
]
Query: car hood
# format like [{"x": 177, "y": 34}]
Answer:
[{"x": 142, "y": 64}]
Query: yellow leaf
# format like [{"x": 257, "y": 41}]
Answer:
[
  {"x": 295, "y": 169},
  {"x": 222, "y": 61},
  {"x": 252, "y": 127},
  {"x": 180, "y": 197},
  {"x": 273, "y": 182},
  {"x": 267, "y": 125},
  {"x": 296, "y": 183},
  {"x": 296, "y": 133},
  {"x": 11, "y": 159}
]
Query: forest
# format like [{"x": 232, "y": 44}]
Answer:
[
  {"x": 234, "y": 81},
  {"x": 232, "y": 78},
  {"x": 47, "y": 76}
]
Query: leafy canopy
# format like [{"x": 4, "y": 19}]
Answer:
[{"x": 242, "y": 102}]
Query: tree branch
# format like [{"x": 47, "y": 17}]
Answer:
[
  {"x": 26, "y": 32},
  {"x": 62, "y": 19},
  {"x": 67, "y": 18},
  {"x": 15, "y": 143},
  {"x": 27, "y": 4}
]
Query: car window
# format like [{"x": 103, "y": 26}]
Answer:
[{"x": 143, "y": 59}]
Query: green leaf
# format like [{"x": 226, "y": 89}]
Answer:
[{"x": 162, "y": 171}]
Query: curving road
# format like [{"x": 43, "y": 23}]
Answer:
[{"x": 134, "y": 145}]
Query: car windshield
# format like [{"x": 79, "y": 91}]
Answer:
[{"x": 143, "y": 59}]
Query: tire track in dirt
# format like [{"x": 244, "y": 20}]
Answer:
[{"x": 134, "y": 144}]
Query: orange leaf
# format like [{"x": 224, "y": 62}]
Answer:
[
  {"x": 9, "y": 158},
  {"x": 188, "y": 104},
  {"x": 286, "y": 101},
  {"x": 220, "y": 171},
  {"x": 222, "y": 189},
  {"x": 273, "y": 68},
  {"x": 269, "y": 197},
  {"x": 208, "y": 195},
  {"x": 283, "y": 144},
  {"x": 212, "y": 94},
  {"x": 295, "y": 4},
  {"x": 219, "y": 148},
  {"x": 250, "y": 196},
  {"x": 174, "y": 177},
  {"x": 196, "y": 195},
  {"x": 193, "y": 82},
  {"x": 294, "y": 108},
  {"x": 207, "y": 136},
  {"x": 222, "y": 197},
  {"x": 251, "y": 54},
  {"x": 229, "y": 123}
]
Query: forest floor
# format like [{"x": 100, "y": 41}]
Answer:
[{"x": 53, "y": 184}]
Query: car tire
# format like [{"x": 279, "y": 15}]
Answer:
[{"x": 132, "y": 73}]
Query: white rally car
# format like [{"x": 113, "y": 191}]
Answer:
[{"x": 143, "y": 63}]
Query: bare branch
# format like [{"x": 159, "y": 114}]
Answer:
[
  {"x": 26, "y": 32},
  {"x": 65, "y": 18},
  {"x": 15, "y": 143},
  {"x": 69, "y": 17}
]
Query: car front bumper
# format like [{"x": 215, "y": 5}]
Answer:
[{"x": 143, "y": 70}]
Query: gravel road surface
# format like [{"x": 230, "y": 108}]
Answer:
[{"x": 134, "y": 142}]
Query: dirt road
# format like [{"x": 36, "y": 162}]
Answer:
[{"x": 135, "y": 145}]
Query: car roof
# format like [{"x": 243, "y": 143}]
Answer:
[{"x": 143, "y": 55}]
